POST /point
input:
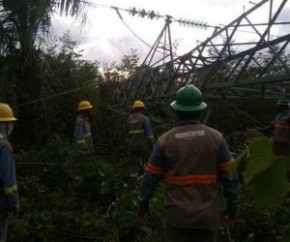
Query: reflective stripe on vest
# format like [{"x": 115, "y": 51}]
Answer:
[
  {"x": 88, "y": 134},
  {"x": 282, "y": 126},
  {"x": 81, "y": 141},
  {"x": 136, "y": 131},
  {"x": 190, "y": 179},
  {"x": 155, "y": 170},
  {"x": 225, "y": 165},
  {"x": 11, "y": 189}
]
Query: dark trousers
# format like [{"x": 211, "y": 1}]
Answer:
[
  {"x": 137, "y": 161},
  {"x": 281, "y": 148},
  {"x": 3, "y": 225},
  {"x": 190, "y": 235}
]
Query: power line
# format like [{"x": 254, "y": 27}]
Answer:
[
  {"x": 121, "y": 18},
  {"x": 151, "y": 14},
  {"x": 56, "y": 95},
  {"x": 127, "y": 26}
]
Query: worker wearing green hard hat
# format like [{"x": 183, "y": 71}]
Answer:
[
  {"x": 188, "y": 99},
  {"x": 191, "y": 159}
]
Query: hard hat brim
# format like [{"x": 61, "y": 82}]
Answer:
[
  {"x": 184, "y": 108},
  {"x": 85, "y": 108},
  {"x": 7, "y": 119},
  {"x": 139, "y": 107}
]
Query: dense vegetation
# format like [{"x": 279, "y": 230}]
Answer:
[{"x": 69, "y": 196}]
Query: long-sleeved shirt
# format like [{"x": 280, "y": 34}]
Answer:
[
  {"x": 9, "y": 196},
  {"x": 139, "y": 132},
  {"x": 82, "y": 132}
]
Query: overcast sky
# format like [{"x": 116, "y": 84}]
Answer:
[{"x": 105, "y": 37}]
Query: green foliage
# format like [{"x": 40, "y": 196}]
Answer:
[
  {"x": 71, "y": 197},
  {"x": 67, "y": 81},
  {"x": 261, "y": 157},
  {"x": 231, "y": 116},
  {"x": 64, "y": 198},
  {"x": 270, "y": 186},
  {"x": 253, "y": 223},
  {"x": 266, "y": 174},
  {"x": 45, "y": 84},
  {"x": 286, "y": 233},
  {"x": 264, "y": 200}
]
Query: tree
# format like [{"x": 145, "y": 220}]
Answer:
[
  {"x": 21, "y": 22},
  {"x": 66, "y": 81}
]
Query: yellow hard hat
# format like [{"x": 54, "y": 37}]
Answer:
[
  {"x": 84, "y": 105},
  {"x": 138, "y": 104},
  {"x": 6, "y": 113}
]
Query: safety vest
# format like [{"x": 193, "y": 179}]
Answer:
[
  {"x": 82, "y": 133},
  {"x": 281, "y": 137},
  {"x": 194, "y": 156},
  {"x": 8, "y": 187},
  {"x": 139, "y": 130}
]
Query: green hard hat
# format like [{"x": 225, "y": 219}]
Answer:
[
  {"x": 283, "y": 102},
  {"x": 188, "y": 99}
]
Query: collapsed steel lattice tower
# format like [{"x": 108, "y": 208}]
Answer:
[{"x": 222, "y": 66}]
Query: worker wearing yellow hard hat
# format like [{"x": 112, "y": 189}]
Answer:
[
  {"x": 82, "y": 132},
  {"x": 138, "y": 104},
  {"x": 9, "y": 198},
  {"x": 84, "y": 105},
  {"x": 140, "y": 138}
]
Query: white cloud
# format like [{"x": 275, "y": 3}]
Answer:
[{"x": 106, "y": 38}]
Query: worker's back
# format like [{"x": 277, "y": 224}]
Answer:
[
  {"x": 192, "y": 155},
  {"x": 281, "y": 137},
  {"x": 137, "y": 132}
]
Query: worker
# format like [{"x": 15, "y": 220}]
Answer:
[
  {"x": 82, "y": 132},
  {"x": 140, "y": 138},
  {"x": 190, "y": 158},
  {"x": 281, "y": 128},
  {"x": 9, "y": 197}
]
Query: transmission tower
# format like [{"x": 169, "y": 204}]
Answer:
[
  {"x": 159, "y": 59},
  {"x": 223, "y": 66}
]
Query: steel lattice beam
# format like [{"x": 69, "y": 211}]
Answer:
[{"x": 260, "y": 71}]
